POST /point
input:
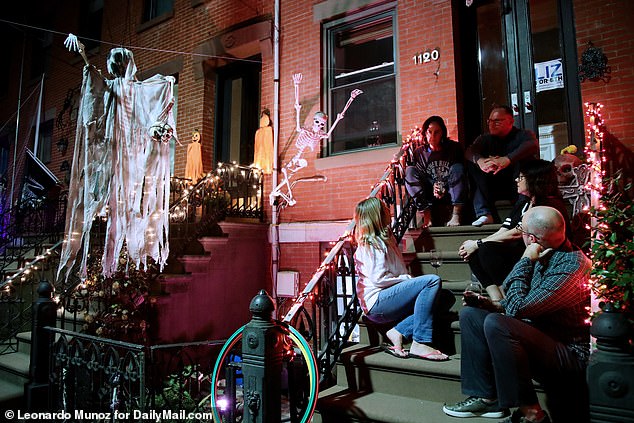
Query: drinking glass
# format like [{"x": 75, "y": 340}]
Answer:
[
  {"x": 435, "y": 259},
  {"x": 475, "y": 287}
]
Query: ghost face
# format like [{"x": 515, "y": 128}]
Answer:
[
  {"x": 117, "y": 61},
  {"x": 319, "y": 122}
]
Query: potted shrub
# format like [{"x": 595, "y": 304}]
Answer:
[
  {"x": 612, "y": 251},
  {"x": 610, "y": 372}
]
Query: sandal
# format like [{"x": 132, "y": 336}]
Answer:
[{"x": 393, "y": 351}]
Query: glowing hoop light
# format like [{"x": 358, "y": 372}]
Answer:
[{"x": 307, "y": 353}]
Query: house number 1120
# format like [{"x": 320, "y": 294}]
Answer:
[{"x": 426, "y": 56}]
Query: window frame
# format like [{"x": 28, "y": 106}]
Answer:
[{"x": 329, "y": 31}]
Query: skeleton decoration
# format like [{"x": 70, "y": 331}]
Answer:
[
  {"x": 121, "y": 168},
  {"x": 307, "y": 138},
  {"x": 565, "y": 163}
]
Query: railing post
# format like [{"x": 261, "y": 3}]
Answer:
[
  {"x": 44, "y": 314},
  {"x": 610, "y": 373},
  {"x": 262, "y": 352}
]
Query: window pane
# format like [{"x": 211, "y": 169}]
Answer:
[
  {"x": 370, "y": 121},
  {"x": 154, "y": 8},
  {"x": 363, "y": 52},
  {"x": 361, "y": 55}
]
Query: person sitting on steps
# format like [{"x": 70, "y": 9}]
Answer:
[
  {"x": 491, "y": 259},
  {"x": 493, "y": 162},
  {"x": 438, "y": 172},
  {"x": 539, "y": 331},
  {"x": 386, "y": 292}
]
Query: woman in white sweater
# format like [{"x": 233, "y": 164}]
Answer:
[{"x": 386, "y": 292}]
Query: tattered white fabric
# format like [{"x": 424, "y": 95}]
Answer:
[{"x": 118, "y": 170}]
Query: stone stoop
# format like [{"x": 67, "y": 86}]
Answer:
[
  {"x": 373, "y": 386},
  {"x": 217, "y": 286}
]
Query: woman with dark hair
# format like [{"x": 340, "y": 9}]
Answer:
[
  {"x": 437, "y": 172},
  {"x": 492, "y": 258}
]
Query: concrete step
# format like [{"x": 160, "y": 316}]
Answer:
[
  {"x": 341, "y": 405},
  {"x": 14, "y": 367},
  {"x": 373, "y": 386},
  {"x": 11, "y": 395},
  {"x": 444, "y": 238},
  {"x": 24, "y": 342}
]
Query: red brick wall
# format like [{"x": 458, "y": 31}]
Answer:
[
  {"x": 420, "y": 92},
  {"x": 608, "y": 25}
]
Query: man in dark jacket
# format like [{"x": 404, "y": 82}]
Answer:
[{"x": 493, "y": 162}]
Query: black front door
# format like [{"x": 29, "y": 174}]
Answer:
[
  {"x": 523, "y": 55},
  {"x": 237, "y": 110}
]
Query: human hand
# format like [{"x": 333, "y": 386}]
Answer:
[
  {"x": 439, "y": 190},
  {"x": 535, "y": 251},
  {"x": 500, "y": 163},
  {"x": 486, "y": 165},
  {"x": 470, "y": 298},
  {"x": 467, "y": 248}
]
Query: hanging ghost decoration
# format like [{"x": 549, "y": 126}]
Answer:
[{"x": 121, "y": 168}]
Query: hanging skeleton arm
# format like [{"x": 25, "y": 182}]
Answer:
[
  {"x": 72, "y": 43},
  {"x": 353, "y": 95},
  {"x": 306, "y": 138}
]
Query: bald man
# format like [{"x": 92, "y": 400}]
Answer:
[{"x": 538, "y": 330}]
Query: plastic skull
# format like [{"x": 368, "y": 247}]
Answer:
[
  {"x": 564, "y": 164},
  {"x": 319, "y": 122}
]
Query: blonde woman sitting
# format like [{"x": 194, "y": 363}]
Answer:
[{"x": 386, "y": 292}]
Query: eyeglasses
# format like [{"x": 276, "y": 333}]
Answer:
[
  {"x": 521, "y": 229},
  {"x": 496, "y": 121},
  {"x": 520, "y": 177}
]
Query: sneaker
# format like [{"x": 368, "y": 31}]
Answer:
[
  {"x": 487, "y": 219},
  {"x": 475, "y": 407},
  {"x": 517, "y": 417}
]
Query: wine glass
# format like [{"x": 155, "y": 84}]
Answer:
[
  {"x": 435, "y": 259},
  {"x": 475, "y": 287}
]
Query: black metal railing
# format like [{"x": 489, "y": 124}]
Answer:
[
  {"x": 195, "y": 209},
  {"x": 236, "y": 188},
  {"x": 98, "y": 375},
  {"x": 27, "y": 227}
]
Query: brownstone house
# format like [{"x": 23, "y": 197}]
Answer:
[{"x": 231, "y": 59}]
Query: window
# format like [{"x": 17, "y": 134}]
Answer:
[
  {"x": 361, "y": 54},
  {"x": 90, "y": 23},
  {"x": 156, "y": 8},
  {"x": 43, "y": 147}
]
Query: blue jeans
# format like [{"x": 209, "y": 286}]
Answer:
[{"x": 410, "y": 303}]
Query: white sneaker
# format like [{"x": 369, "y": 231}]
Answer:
[{"x": 487, "y": 219}]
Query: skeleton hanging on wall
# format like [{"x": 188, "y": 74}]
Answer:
[
  {"x": 121, "y": 167},
  {"x": 307, "y": 138}
]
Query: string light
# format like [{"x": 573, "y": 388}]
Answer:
[{"x": 595, "y": 158}]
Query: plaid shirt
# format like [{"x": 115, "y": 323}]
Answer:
[{"x": 553, "y": 295}]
